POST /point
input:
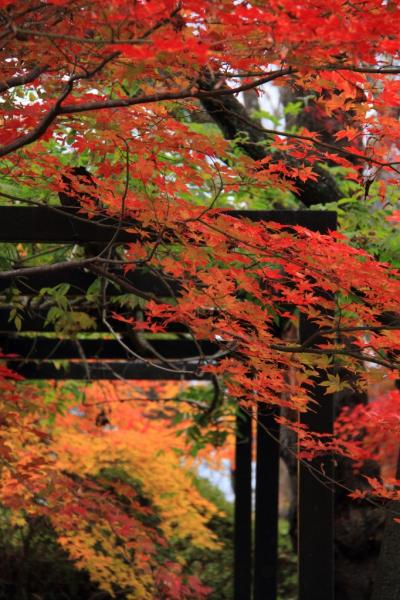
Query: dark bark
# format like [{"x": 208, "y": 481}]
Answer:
[
  {"x": 358, "y": 533},
  {"x": 252, "y": 105},
  {"x": 233, "y": 120}
]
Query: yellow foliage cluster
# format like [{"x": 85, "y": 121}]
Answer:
[
  {"x": 146, "y": 449},
  {"x": 111, "y": 478}
]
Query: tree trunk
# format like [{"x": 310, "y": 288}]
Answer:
[{"x": 233, "y": 119}]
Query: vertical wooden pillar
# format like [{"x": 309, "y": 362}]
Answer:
[
  {"x": 266, "y": 505},
  {"x": 387, "y": 580},
  {"x": 243, "y": 520},
  {"x": 316, "y": 501}
]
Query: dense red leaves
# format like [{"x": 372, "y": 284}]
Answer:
[
  {"x": 118, "y": 87},
  {"x": 125, "y": 54},
  {"x": 380, "y": 427}
]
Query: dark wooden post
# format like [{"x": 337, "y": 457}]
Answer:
[
  {"x": 266, "y": 505},
  {"x": 316, "y": 501},
  {"x": 387, "y": 582},
  {"x": 243, "y": 520}
]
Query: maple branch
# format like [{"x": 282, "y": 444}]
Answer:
[
  {"x": 18, "y": 80},
  {"x": 41, "y": 128},
  {"x": 22, "y": 31},
  {"x": 217, "y": 396},
  {"x": 187, "y": 93},
  {"x": 241, "y": 115},
  {"x": 126, "y": 285},
  {"x": 83, "y": 358},
  {"x": 54, "y": 112},
  {"x": 54, "y": 268},
  {"x": 323, "y": 331},
  {"x": 384, "y": 70},
  {"x": 147, "y": 346},
  {"x": 333, "y": 147},
  {"x": 162, "y": 22},
  {"x": 336, "y": 352},
  {"x": 58, "y": 109},
  {"x": 170, "y": 368},
  {"x": 200, "y": 359}
]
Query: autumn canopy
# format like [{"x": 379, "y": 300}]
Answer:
[{"x": 134, "y": 110}]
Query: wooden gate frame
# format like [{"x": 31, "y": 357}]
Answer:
[{"x": 255, "y": 563}]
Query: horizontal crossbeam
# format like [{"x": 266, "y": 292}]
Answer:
[
  {"x": 60, "y": 225},
  {"x": 106, "y": 370},
  {"x": 34, "y": 321},
  {"x": 41, "y": 348},
  {"x": 80, "y": 280}
]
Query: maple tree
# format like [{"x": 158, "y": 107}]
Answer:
[
  {"x": 116, "y": 495},
  {"x": 122, "y": 90}
]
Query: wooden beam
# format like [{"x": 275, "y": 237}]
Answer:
[
  {"x": 59, "y": 225},
  {"x": 80, "y": 280},
  {"x": 33, "y": 320},
  {"x": 316, "y": 220},
  {"x": 102, "y": 370},
  {"x": 41, "y": 348}
]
